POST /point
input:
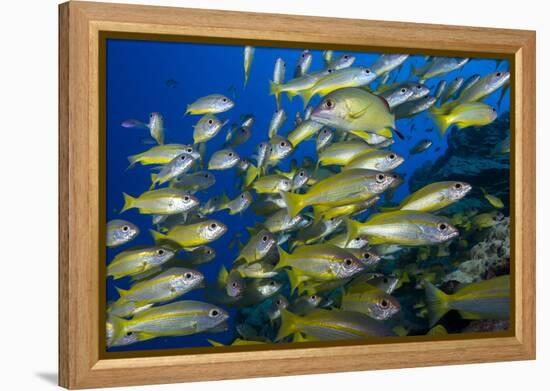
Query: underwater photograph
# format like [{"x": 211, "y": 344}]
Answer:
[{"x": 272, "y": 195}]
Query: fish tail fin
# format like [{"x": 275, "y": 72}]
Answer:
[
  {"x": 283, "y": 259},
  {"x": 274, "y": 88},
  {"x": 119, "y": 328},
  {"x": 214, "y": 343},
  {"x": 294, "y": 202},
  {"x": 133, "y": 159},
  {"x": 437, "y": 302},
  {"x": 441, "y": 119},
  {"x": 157, "y": 236},
  {"x": 352, "y": 229},
  {"x": 222, "y": 276},
  {"x": 306, "y": 96},
  {"x": 288, "y": 324},
  {"x": 121, "y": 292},
  {"x": 128, "y": 202},
  {"x": 293, "y": 279},
  {"x": 153, "y": 181}
]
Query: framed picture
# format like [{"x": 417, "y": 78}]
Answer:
[{"x": 247, "y": 195}]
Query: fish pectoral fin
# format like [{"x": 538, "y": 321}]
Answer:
[{"x": 359, "y": 113}]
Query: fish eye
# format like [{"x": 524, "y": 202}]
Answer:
[
  {"x": 498, "y": 74},
  {"x": 285, "y": 183},
  {"x": 494, "y": 110},
  {"x": 264, "y": 238},
  {"x": 186, "y": 198},
  {"x": 160, "y": 251},
  {"x": 129, "y": 333},
  {"x": 348, "y": 262},
  {"x": 367, "y": 71},
  {"x": 188, "y": 275},
  {"x": 242, "y": 196},
  {"x": 357, "y": 239},
  {"x": 380, "y": 178},
  {"x": 230, "y": 154},
  {"x": 272, "y": 283},
  {"x": 366, "y": 255},
  {"x": 213, "y": 313},
  {"x": 125, "y": 228},
  {"x": 224, "y": 100},
  {"x": 210, "y": 121},
  {"x": 384, "y": 303},
  {"x": 403, "y": 90},
  {"x": 458, "y": 185},
  {"x": 329, "y": 104},
  {"x": 442, "y": 227},
  {"x": 301, "y": 173},
  {"x": 346, "y": 57},
  {"x": 234, "y": 284},
  {"x": 391, "y": 156},
  {"x": 213, "y": 225},
  {"x": 206, "y": 175},
  {"x": 330, "y": 70},
  {"x": 313, "y": 297},
  {"x": 182, "y": 157},
  {"x": 419, "y": 87}
]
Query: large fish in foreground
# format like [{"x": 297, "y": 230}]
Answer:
[
  {"x": 325, "y": 325},
  {"x": 354, "y": 109},
  {"x": 192, "y": 235},
  {"x": 409, "y": 228},
  {"x": 348, "y": 187},
  {"x": 488, "y": 299},
  {"x": 175, "y": 319}
]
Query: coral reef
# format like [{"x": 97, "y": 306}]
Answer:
[{"x": 489, "y": 258}]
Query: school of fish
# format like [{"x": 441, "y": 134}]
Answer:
[{"x": 326, "y": 224}]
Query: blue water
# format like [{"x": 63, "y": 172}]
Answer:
[{"x": 145, "y": 77}]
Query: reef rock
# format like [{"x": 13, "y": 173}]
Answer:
[{"x": 489, "y": 258}]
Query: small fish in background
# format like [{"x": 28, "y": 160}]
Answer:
[
  {"x": 303, "y": 64},
  {"x": 480, "y": 89},
  {"x": 494, "y": 201},
  {"x": 279, "y": 303},
  {"x": 199, "y": 255},
  {"x": 324, "y": 138},
  {"x": 379, "y": 160},
  {"x": 120, "y": 232},
  {"x": 164, "y": 201},
  {"x": 328, "y": 55},
  {"x": 454, "y": 86},
  {"x": 438, "y": 66},
  {"x": 279, "y": 149},
  {"x": 223, "y": 159},
  {"x": 344, "y": 61},
  {"x": 387, "y": 63},
  {"x": 298, "y": 119},
  {"x": 276, "y": 123},
  {"x": 397, "y": 96},
  {"x": 207, "y": 128},
  {"x": 232, "y": 282},
  {"x": 420, "y": 146},
  {"x": 237, "y": 205},
  {"x": 370, "y": 301},
  {"x": 303, "y": 131},
  {"x": 279, "y": 73},
  {"x": 155, "y": 126},
  {"x": 440, "y": 88},
  {"x": 237, "y": 135},
  {"x": 210, "y": 104},
  {"x": 194, "y": 182},
  {"x": 177, "y": 166},
  {"x": 412, "y": 108},
  {"x": 257, "y": 247},
  {"x": 171, "y": 83},
  {"x": 248, "y": 57},
  {"x": 464, "y": 115}
]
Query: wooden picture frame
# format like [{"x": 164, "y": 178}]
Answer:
[{"x": 81, "y": 24}]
